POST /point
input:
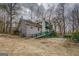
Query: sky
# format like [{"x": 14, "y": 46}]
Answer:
[{"x": 26, "y": 12}]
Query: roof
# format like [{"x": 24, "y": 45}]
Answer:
[{"x": 31, "y": 23}]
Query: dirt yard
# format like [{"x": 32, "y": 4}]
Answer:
[{"x": 17, "y": 46}]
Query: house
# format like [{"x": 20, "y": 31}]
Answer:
[{"x": 28, "y": 28}]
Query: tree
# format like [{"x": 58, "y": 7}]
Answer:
[
  {"x": 54, "y": 24},
  {"x": 10, "y": 8},
  {"x": 32, "y": 7},
  {"x": 73, "y": 21},
  {"x": 76, "y": 15},
  {"x": 74, "y": 18},
  {"x": 61, "y": 17},
  {"x": 40, "y": 11}
]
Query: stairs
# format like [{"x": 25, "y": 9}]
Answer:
[{"x": 43, "y": 34}]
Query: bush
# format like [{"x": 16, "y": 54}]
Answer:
[
  {"x": 67, "y": 36},
  {"x": 52, "y": 34},
  {"x": 75, "y": 36},
  {"x": 16, "y": 32}
]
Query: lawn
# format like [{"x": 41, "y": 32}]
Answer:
[{"x": 18, "y": 46}]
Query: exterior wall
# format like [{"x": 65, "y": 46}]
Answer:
[
  {"x": 43, "y": 26},
  {"x": 22, "y": 29},
  {"x": 28, "y": 30},
  {"x": 32, "y": 30}
]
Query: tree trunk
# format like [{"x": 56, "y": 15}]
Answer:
[
  {"x": 63, "y": 19},
  {"x": 4, "y": 24},
  {"x": 73, "y": 25},
  {"x": 10, "y": 28}
]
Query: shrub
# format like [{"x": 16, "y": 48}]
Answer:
[
  {"x": 16, "y": 32},
  {"x": 52, "y": 34},
  {"x": 67, "y": 36},
  {"x": 75, "y": 36}
]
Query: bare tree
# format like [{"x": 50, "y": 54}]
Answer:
[
  {"x": 74, "y": 18},
  {"x": 61, "y": 17},
  {"x": 76, "y": 15},
  {"x": 10, "y": 8}
]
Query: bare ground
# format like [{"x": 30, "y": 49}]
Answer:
[{"x": 17, "y": 46}]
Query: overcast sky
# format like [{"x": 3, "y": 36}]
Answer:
[{"x": 25, "y": 12}]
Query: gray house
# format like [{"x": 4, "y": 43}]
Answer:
[{"x": 28, "y": 28}]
